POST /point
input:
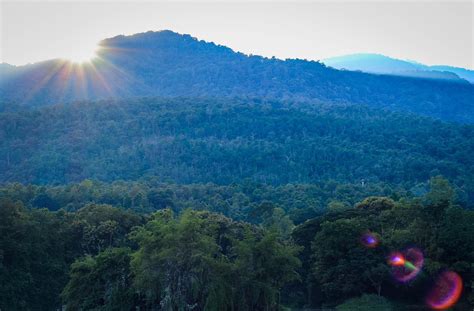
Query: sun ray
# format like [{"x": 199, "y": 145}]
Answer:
[{"x": 44, "y": 80}]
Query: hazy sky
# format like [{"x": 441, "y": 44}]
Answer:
[{"x": 425, "y": 31}]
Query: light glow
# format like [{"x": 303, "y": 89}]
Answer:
[
  {"x": 397, "y": 260},
  {"x": 84, "y": 53},
  {"x": 369, "y": 240}
]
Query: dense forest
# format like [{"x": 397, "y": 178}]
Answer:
[
  {"x": 225, "y": 141},
  {"x": 174, "y": 174},
  {"x": 94, "y": 246},
  {"x": 169, "y": 64}
]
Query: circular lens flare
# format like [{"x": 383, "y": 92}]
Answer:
[
  {"x": 369, "y": 240},
  {"x": 407, "y": 264},
  {"x": 446, "y": 291}
]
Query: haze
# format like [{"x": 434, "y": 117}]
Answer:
[{"x": 428, "y": 32}]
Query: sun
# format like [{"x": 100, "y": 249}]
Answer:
[{"x": 83, "y": 54}]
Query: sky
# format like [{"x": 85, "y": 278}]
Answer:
[{"x": 425, "y": 31}]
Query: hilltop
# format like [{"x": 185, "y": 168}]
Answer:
[{"x": 169, "y": 64}]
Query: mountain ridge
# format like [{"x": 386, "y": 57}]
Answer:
[
  {"x": 166, "y": 63},
  {"x": 382, "y": 64}
]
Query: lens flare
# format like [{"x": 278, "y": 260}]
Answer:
[
  {"x": 396, "y": 259},
  {"x": 446, "y": 291},
  {"x": 369, "y": 240},
  {"x": 407, "y": 264}
]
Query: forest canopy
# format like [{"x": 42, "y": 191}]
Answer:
[
  {"x": 97, "y": 256},
  {"x": 228, "y": 141}
]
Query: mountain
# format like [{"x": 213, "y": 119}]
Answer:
[
  {"x": 367, "y": 62},
  {"x": 5, "y": 69},
  {"x": 190, "y": 140},
  {"x": 118, "y": 178},
  {"x": 461, "y": 72},
  {"x": 169, "y": 64},
  {"x": 381, "y": 64}
]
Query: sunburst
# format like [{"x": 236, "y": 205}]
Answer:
[{"x": 84, "y": 53}]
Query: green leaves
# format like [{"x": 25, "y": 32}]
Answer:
[
  {"x": 341, "y": 264},
  {"x": 204, "y": 260},
  {"x": 197, "y": 140},
  {"x": 102, "y": 282},
  {"x": 177, "y": 255},
  {"x": 36, "y": 249}
]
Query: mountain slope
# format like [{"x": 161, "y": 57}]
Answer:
[
  {"x": 169, "y": 64},
  {"x": 461, "y": 72},
  {"x": 368, "y": 62},
  {"x": 224, "y": 141},
  {"x": 381, "y": 64}
]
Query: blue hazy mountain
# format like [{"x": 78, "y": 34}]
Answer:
[
  {"x": 5, "y": 69},
  {"x": 168, "y": 64},
  {"x": 461, "y": 72},
  {"x": 381, "y": 64}
]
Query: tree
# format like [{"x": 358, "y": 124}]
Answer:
[
  {"x": 280, "y": 222},
  {"x": 440, "y": 191},
  {"x": 102, "y": 282},
  {"x": 262, "y": 267},
  {"x": 36, "y": 249},
  {"x": 376, "y": 204},
  {"x": 43, "y": 200},
  {"x": 177, "y": 261},
  {"x": 342, "y": 265},
  {"x": 180, "y": 264},
  {"x": 104, "y": 226}
]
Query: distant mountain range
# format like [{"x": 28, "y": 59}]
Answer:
[
  {"x": 168, "y": 64},
  {"x": 381, "y": 64}
]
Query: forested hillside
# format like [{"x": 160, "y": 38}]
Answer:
[
  {"x": 245, "y": 201},
  {"x": 103, "y": 249},
  {"x": 225, "y": 141},
  {"x": 169, "y": 64},
  {"x": 175, "y": 174}
]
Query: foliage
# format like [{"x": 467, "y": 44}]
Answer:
[
  {"x": 185, "y": 259},
  {"x": 194, "y": 262},
  {"x": 341, "y": 264},
  {"x": 102, "y": 282},
  {"x": 343, "y": 268},
  {"x": 249, "y": 201},
  {"x": 232, "y": 141},
  {"x": 190, "y": 203},
  {"x": 36, "y": 249}
]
